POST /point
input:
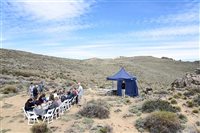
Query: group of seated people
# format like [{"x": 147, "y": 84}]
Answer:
[
  {"x": 35, "y": 89},
  {"x": 53, "y": 101}
]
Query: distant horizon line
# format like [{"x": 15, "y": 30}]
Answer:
[{"x": 121, "y": 56}]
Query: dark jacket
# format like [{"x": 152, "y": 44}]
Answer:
[
  {"x": 123, "y": 86},
  {"x": 35, "y": 92},
  {"x": 29, "y": 106}
]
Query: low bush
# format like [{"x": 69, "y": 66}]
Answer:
[
  {"x": 40, "y": 128},
  {"x": 182, "y": 118},
  {"x": 184, "y": 98},
  {"x": 192, "y": 91},
  {"x": 176, "y": 96},
  {"x": 139, "y": 124},
  {"x": 24, "y": 73},
  {"x": 106, "y": 129},
  {"x": 195, "y": 111},
  {"x": 173, "y": 101},
  {"x": 134, "y": 109},
  {"x": 170, "y": 98},
  {"x": 150, "y": 106},
  {"x": 177, "y": 108},
  {"x": 179, "y": 94},
  {"x": 101, "y": 129},
  {"x": 196, "y": 100},
  {"x": 198, "y": 123},
  {"x": 95, "y": 109},
  {"x": 190, "y": 104},
  {"x": 188, "y": 93},
  {"x": 10, "y": 89},
  {"x": 162, "y": 121}
]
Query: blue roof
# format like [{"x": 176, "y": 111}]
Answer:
[{"x": 122, "y": 74}]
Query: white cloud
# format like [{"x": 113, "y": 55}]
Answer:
[
  {"x": 188, "y": 50},
  {"x": 159, "y": 33},
  {"x": 53, "y": 10},
  {"x": 94, "y": 46},
  {"x": 65, "y": 28},
  {"x": 185, "y": 17}
]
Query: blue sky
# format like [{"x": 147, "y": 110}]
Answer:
[{"x": 84, "y": 29}]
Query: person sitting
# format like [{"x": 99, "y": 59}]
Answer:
[
  {"x": 51, "y": 97},
  {"x": 54, "y": 104},
  {"x": 70, "y": 94},
  {"x": 58, "y": 101},
  {"x": 29, "y": 105},
  {"x": 41, "y": 99},
  {"x": 63, "y": 98}
]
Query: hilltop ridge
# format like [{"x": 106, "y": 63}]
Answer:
[{"x": 92, "y": 72}]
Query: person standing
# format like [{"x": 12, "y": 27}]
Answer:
[
  {"x": 41, "y": 87},
  {"x": 35, "y": 92},
  {"x": 80, "y": 92},
  {"x": 123, "y": 88},
  {"x": 30, "y": 91}
]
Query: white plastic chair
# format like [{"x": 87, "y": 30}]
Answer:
[
  {"x": 74, "y": 99},
  {"x": 48, "y": 116},
  {"x": 32, "y": 117},
  {"x": 66, "y": 105},
  {"x": 61, "y": 108},
  {"x": 57, "y": 113},
  {"x": 25, "y": 113},
  {"x": 70, "y": 102}
]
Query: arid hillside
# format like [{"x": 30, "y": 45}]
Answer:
[
  {"x": 19, "y": 66},
  {"x": 172, "y": 105}
]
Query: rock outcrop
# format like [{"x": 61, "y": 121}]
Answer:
[{"x": 188, "y": 80}]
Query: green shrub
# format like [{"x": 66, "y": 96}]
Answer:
[
  {"x": 182, "y": 118},
  {"x": 10, "y": 89},
  {"x": 177, "y": 108},
  {"x": 162, "y": 121},
  {"x": 106, "y": 129},
  {"x": 88, "y": 121},
  {"x": 133, "y": 110},
  {"x": 176, "y": 96},
  {"x": 173, "y": 101},
  {"x": 184, "y": 98},
  {"x": 39, "y": 128},
  {"x": 188, "y": 93},
  {"x": 150, "y": 106},
  {"x": 95, "y": 109},
  {"x": 192, "y": 91},
  {"x": 190, "y": 104},
  {"x": 139, "y": 124},
  {"x": 195, "y": 111},
  {"x": 179, "y": 94},
  {"x": 24, "y": 73},
  {"x": 127, "y": 101},
  {"x": 198, "y": 123},
  {"x": 196, "y": 100},
  {"x": 170, "y": 98}
]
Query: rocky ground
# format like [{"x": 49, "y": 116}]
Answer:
[{"x": 172, "y": 81}]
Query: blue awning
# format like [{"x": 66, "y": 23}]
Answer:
[{"x": 123, "y": 75}]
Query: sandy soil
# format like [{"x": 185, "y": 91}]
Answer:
[{"x": 12, "y": 119}]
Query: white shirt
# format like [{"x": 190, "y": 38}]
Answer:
[
  {"x": 80, "y": 90},
  {"x": 31, "y": 88}
]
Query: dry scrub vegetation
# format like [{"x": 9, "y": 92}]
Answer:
[{"x": 174, "y": 109}]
